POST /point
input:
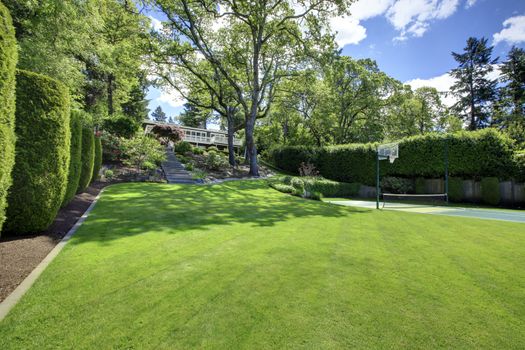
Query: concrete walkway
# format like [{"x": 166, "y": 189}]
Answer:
[
  {"x": 175, "y": 171},
  {"x": 486, "y": 214}
]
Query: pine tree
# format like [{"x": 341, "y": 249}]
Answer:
[
  {"x": 473, "y": 87},
  {"x": 159, "y": 115},
  {"x": 194, "y": 116},
  {"x": 136, "y": 107},
  {"x": 512, "y": 95}
]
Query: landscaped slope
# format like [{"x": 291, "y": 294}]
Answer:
[{"x": 241, "y": 265}]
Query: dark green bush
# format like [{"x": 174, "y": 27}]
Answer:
[
  {"x": 182, "y": 147},
  {"x": 196, "y": 150},
  {"x": 471, "y": 155},
  {"x": 490, "y": 190},
  {"x": 121, "y": 126},
  {"x": 8, "y": 59},
  {"x": 75, "y": 156},
  {"x": 88, "y": 157},
  {"x": 97, "y": 163},
  {"x": 391, "y": 184},
  {"x": 455, "y": 189},
  {"x": 420, "y": 185},
  {"x": 42, "y": 153}
]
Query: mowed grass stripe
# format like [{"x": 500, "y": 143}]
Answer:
[{"x": 239, "y": 265}]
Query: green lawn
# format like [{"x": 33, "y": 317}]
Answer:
[{"x": 239, "y": 265}]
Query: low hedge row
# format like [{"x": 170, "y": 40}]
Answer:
[
  {"x": 8, "y": 59},
  {"x": 476, "y": 154},
  {"x": 42, "y": 153},
  {"x": 327, "y": 188}
]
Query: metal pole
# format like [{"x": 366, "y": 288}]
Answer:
[
  {"x": 377, "y": 179},
  {"x": 446, "y": 167}
]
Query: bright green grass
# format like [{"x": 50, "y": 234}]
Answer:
[{"x": 240, "y": 265}]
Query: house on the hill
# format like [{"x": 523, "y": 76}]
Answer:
[{"x": 199, "y": 137}]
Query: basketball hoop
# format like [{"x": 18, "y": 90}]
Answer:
[{"x": 388, "y": 151}]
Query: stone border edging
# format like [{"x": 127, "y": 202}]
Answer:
[{"x": 12, "y": 299}]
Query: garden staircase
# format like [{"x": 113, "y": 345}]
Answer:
[{"x": 175, "y": 171}]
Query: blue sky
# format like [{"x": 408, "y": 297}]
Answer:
[{"x": 412, "y": 40}]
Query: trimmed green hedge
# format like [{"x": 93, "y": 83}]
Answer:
[
  {"x": 490, "y": 190},
  {"x": 327, "y": 188},
  {"x": 88, "y": 157},
  {"x": 98, "y": 158},
  {"x": 75, "y": 160},
  {"x": 42, "y": 153},
  {"x": 471, "y": 155},
  {"x": 8, "y": 59}
]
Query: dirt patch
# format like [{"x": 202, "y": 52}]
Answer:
[{"x": 19, "y": 255}]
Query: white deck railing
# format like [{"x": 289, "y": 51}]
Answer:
[{"x": 214, "y": 140}]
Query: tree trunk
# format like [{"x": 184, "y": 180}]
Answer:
[
  {"x": 231, "y": 130},
  {"x": 110, "y": 94},
  {"x": 250, "y": 145}
]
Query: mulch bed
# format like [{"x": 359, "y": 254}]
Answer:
[{"x": 19, "y": 255}]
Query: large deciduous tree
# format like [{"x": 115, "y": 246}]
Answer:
[
  {"x": 473, "y": 87},
  {"x": 260, "y": 43}
]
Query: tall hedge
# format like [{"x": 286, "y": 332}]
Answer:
[
  {"x": 98, "y": 157},
  {"x": 42, "y": 153},
  {"x": 88, "y": 157},
  {"x": 75, "y": 156},
  {"x": 471, "y": 155},
  {"x": 8, "y": 59}
]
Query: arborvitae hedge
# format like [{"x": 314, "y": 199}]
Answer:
[
  {"x": 8, "y": 59},
  {"x": 471, "y": 155},
  {"x": 98, "y": 157},
  {"x": 42, "y": 153},
  {"x": 88, "y": 157},
  {"x": 75, "y": 161}
]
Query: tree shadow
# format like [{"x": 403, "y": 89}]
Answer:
[{"x": 137, "y": 208}]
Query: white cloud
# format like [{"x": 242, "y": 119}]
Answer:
[
  {"x": 171, "y": 97},
  {"x": 470, "y": 3},
  {"x": 441, "y": 83},
  {"x": 348, "y": 31},
  {"x": 365, "y": 9},
  {"x": 513, "y": 31},
  {"x": 412, "y": 18},
  {"x": 444, "y": 82},
  {"x": 155, "y": 24}
]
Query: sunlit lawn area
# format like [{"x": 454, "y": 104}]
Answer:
[{"x": 239, "y": 265}]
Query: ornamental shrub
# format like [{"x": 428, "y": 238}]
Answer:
[
  {"x": 216, "y": 161},
  {"x": 75, "y": 156},
  {"x": 490, "y": 190},
  {"x": 97, "y": 163},
  {"x": 42, "y": 153},
  {"x": 88, "y": 157},
  {"x": 282, "y": 187},
  {"x": 455, "y": 189},
  {"x": 8, "y": 59},
  {"x": 183, "y": 147},
  {"x": 475, "y": 154},
  {"x": 396, "y": 185}
]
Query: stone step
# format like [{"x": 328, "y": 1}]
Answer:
[{"x": 175, "y": 171}]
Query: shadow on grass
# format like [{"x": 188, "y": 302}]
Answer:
[{"x": 138, "y": 208}]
